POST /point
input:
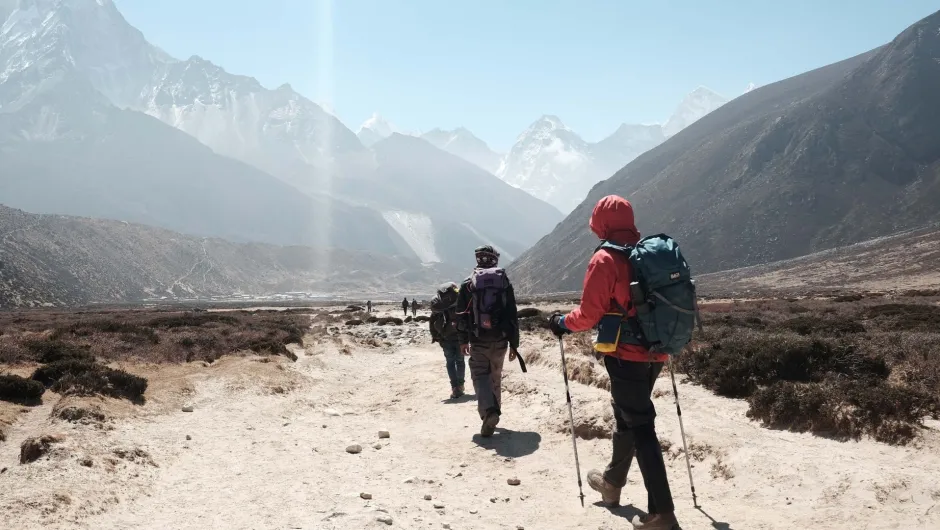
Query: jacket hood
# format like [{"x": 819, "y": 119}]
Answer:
[{"x": 613, "y": 220}]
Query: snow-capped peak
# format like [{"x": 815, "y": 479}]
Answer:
[
  {"x": 697, "y": 104},
  {"x": 750, "y": 86},
  {"x": 374, "y": 130},
  {"x": 378, "y": 125}
]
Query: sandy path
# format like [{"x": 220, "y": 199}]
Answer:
[{"x": 278, "y": 461}]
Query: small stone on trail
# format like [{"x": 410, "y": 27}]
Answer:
[
  {"x": 188, "y": 408},
  {"x": 366, "y": 496},
  {"x": 354, "y": 449},
  {"x": 87, "y": 462},
  {"x": 438, "y": 506},
  {"x": 384, "y": 434},
  {"x": 446, "y": 526},
  {"x": 427, "y": 497},
  {"x": 493, "y": 499},
  {"x": 332, "y": 412},
  {"x": 513, "y": 481},
  {"x": 188, "y": 437},
  {"x": 377, "y": 446},
  {"x": 386, "y": 520},
  {"x": 463, "y": 464},
  {"x": 324, "y": 426},
  {"x": 473, "y": 512},
  {"x": 410, "y": 480}
]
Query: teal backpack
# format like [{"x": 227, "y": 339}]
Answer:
[{"x": 663, "y": 293}]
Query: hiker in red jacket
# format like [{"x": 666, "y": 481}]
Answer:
[{"x": 632, "y": 368}]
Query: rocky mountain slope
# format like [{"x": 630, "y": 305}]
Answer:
[
  {"x": 904, "y": 262},
  {"x": 59, "y": 260},
  {"x": 828, "y": 158},
  {"x": 445, "y": 206}
]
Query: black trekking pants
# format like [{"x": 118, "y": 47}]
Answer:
[{"x": 631, "y": 389}]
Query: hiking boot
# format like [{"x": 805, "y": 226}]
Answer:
[
  {"x": 489, "y": 424},
  {"x": 455, "y": 392},
  {"x": 461, "y": 390},
  {"x": 659, "y": 521},
  {"x": 609, "y": 494}
]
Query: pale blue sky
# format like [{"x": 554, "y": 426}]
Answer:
[{"x": 495, "y": 66}]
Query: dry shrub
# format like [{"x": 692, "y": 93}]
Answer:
[
  {"x": 844, "y": 409},
  {"x": 906, "y": 317},
  {"x": 49, "y": 350},
  {"x": 74, "y": 377},
  {"x": 16, "y": 389},
  {"x": 528, "y": 312},
  {"x": 831, "y": 325},
  {"x": 739, "y": 364}
]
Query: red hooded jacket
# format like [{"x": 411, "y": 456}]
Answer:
[{"x": 608, "y": 276}]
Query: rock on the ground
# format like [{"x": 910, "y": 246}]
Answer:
[
  {"x": 377, "y": 446},
  {"x": 34, "y": 448},
  {"x": 188, "y": 437},
  {"x": 331, "y": 412},
  {"x": 427, "y": 497},
  {"x": 513, "y": 481},
  {"x": 188, "y": 408},
  {"x": 438, "y": 506},
  {"x": 384, "y": 519},
  {"x": 354, "y": 449},
  {"x": 366, "y": 496},
  {"x": 354, "y": 322},
  {"x": 384, "y": 434}
]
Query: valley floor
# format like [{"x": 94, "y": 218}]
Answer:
[{"x": 265, "y": 448}]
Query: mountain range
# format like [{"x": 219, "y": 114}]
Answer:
[
  {"x": 552, "y": 162},
  {"x": 95, "y": 121},
  {"x": 832, "y": 157}
]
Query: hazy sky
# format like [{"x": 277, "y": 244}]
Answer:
[{"x": 495, "y": 66}]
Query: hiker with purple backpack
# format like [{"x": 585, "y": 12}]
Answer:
[{"x": 487, "y": 326}]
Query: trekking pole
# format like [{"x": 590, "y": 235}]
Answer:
[
  {"x": 574, "y": 440},
  {"x": 688, "y": 462}
]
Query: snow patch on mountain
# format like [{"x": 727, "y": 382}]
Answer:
[
  {"x": 417, "y": 230},
  {"x": 463, "y": 143},
  {"x": 700, "y": 102}
]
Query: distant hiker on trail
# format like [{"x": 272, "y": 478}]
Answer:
[
  {"x": 369, "y": 306},
  {"x": 487, "y": 325},
  {"x": 633, "y": 368},
  {"x": 414, "y": 307},
  {"x": 443, "y": 326},
  {"x": 404, "y": 305}
]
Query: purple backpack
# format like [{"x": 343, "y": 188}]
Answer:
[{"x": 489, "y": 298}]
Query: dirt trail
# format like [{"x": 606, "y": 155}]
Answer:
[{"x": 277, "y": 460}]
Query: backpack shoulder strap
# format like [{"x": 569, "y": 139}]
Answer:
[{"x": 613, "y": 247}]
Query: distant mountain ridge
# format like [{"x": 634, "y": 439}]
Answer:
[{"x": 54, "y": 260}]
